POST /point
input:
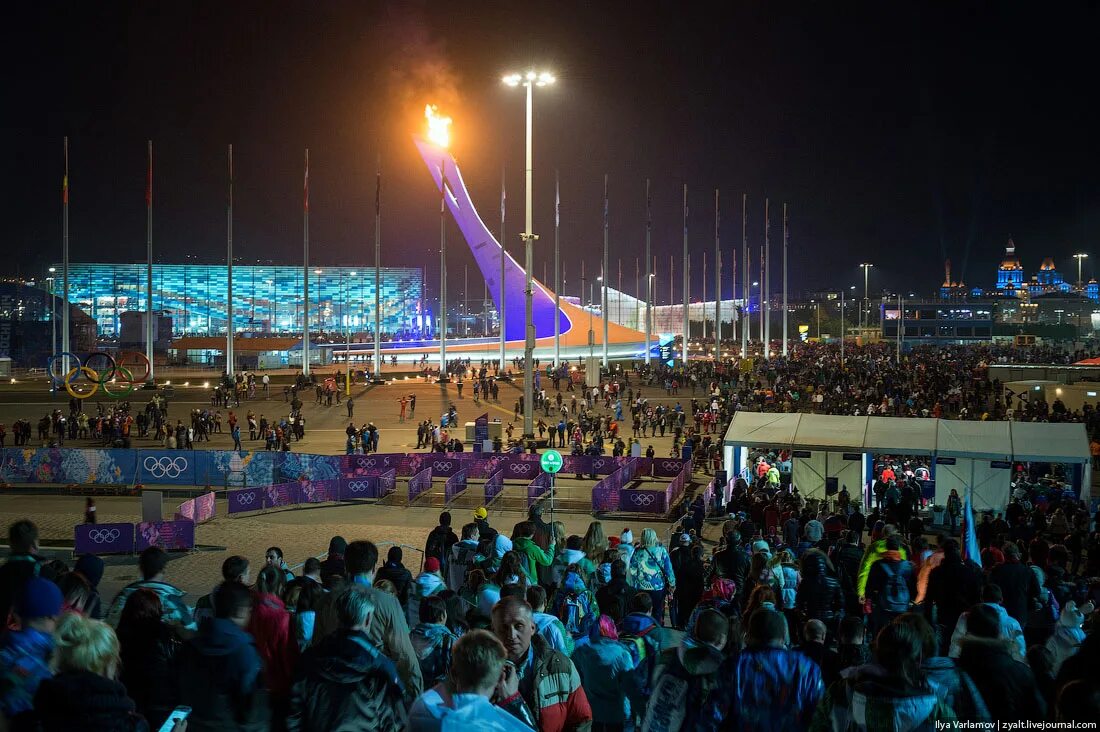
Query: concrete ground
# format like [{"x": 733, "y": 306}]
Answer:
[{"x": 300, "y": 532}]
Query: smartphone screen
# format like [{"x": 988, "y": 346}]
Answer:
[{"x": 177, "y": 714}]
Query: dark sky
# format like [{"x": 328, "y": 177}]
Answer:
[{"x": 900, "y": 133}]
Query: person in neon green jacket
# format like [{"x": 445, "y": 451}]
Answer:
[
  {"x": 874, "y": 552},
  {"x": 531, "y": 554}
]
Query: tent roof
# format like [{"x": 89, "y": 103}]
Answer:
[
  {"x": 817, "y": 431},
  {"x": 759, "y": 428},
  {"x": 971, "y": 439},
  {"x": 1050, "y": 443},
  {"x": 901, "y": 436}
]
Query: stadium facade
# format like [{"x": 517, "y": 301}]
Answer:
[{"x": 266, "y": 298}]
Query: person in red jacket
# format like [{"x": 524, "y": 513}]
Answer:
[
  {"x": 275, "y": 640},
  {"x": 548, "y": 680}
]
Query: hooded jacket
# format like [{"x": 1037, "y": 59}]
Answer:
[
  {"x": 606, "y": 670},
  {"x": 219, "y": 678},
  {"x": 766, "y": 688},
  {"x": 432, "y": 643},
  {"x": 551, "y": 629},
  {"x": 86, "y": 701},
  {"x": 955, "y": 688},
  {"x": 276, "y": 643},
  {"x": 819, "y": 595},
  {"x": 401, "y": 577},
  {"x": 175, "y": 610},
  {"x": 531, "y": 556},
  {"x": 1010, "y": 631},
  {"x": 870, "y": 701},
  {"x": 345, "y": 684},
  {"x": 684, "y": 679},
  {"x": 149, "y": 670},
  {"x": 24, "y": 663},
  {"x": 875, "y": 551},
  {"x": 437, "y": 709},
  {"x": 558, "y": 700},
  {"x": 1008, "y": 686},
  {"x": 464, "y": 557},
  {"x": 651, "y": 569}
]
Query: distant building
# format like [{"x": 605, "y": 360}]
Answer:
[
  {"x": 1012, "y": 282},
  {"x": 30, "y": 325}
]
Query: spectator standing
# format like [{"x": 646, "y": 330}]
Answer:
[
  {"x": 651, "y": 571},
  {"x": 152, "y": 564},
  {"x": 606, "y": 670},
  {"x": 22, "y": 564},
  {"x": 25, "y": 652},
  {"x": 1007, "y": 685},
  {"x": 148, "y": 650}
]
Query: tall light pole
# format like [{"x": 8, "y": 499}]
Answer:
[
  {"x": 347, "y": 337},
  {"x": 53, "y": 316},
  {"x": 1080, "y": 285},
  {"x": 866, "y": 267},
  {"x": 530, "y": 80},
  {"x": 649, "y": 275}
]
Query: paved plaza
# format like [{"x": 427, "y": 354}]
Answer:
[{"x": 300, "y": 532}]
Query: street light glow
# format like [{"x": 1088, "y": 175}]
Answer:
[
  {"x": 438, "y": 126},
  {"x": 538, "y": 78}
]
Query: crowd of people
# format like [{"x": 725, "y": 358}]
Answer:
[{"x": 807, "y": 615}]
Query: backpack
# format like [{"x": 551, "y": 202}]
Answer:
[
  {"x": 575, "y": 613},
  {"x": 436, "y": 546},
  {"x": 643, "y": 654},
  {"x": 894, "y": 597}
]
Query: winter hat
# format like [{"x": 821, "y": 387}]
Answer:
[
  {"x": 40, "y": 598},
  {"x": 431, "y": 564},
  {"x": 502, "y": 545},
  {"x": 685, "y": 539},
  {"x": 91, "y": 567},
  {"x": 613, "y": 542},
  {"x": 627, "y": 536},
  {"x": 481, "y": 513},
  {"x": 760, "y": 546}
]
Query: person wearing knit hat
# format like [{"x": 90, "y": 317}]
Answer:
[
  {"x": 761, "y": 547},
  {"x": 431, "y": 564},
  {"x": 25, "y": 654},
  {"x": 333, "y": 564},
  {"x": 481, "y": 513},
  {"x": 626, "y": 545},
  {"x": 428, "y": 583}
]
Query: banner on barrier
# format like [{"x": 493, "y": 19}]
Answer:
[
  {"x": 667, "y": 467},
  {"x": 444, "y": 466},
  {"x": 186, "y": 511},
  {"x": 319, "y": 491},
  {"x": 518, "y": 467},
  {"x": 205, "y": 507},
  {"x": 454, "y": 485},
  {"x": 494, "y": 486},
  {"x": 537, "y": 487},
  {"x": 370, "y": 464},
  {"x": 387, "y": 483},
  {"x": 168, "y": 535},
  {"x": 420, "y": 483},
  {"x": 281, "y": 495},
  {"x": 643, "y": 501},
  {"x": 103, "y": 539},
  {"x": 166, "y": 467},
  {"x": 245, "y": 499}
]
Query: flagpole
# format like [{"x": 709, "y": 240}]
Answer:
[
  {"x": 703, "y": 300},
  {"x": 648, "y": 277},
  {"x": 733, "y": 283},
  {"x": 65, "y": 262},
  {"x": 305, "y": 270},
  {"x": 619, "y": 296},
  {"x": 378, "y": 271},
  {"x": 767, "y": 281},
  {"x": 606, "y": 274},
  {"x": 557, "y": 271},
  {"x": 784, "y": 279},
  {"x": 229, "y": 274},
  {"x": 149, "y": 266},
  {"x": 717, "y": 282},
  {"x": 687, "y": 281},
  {"x": 746, "y": 277},
  {"x": 637, "y": 289},
  {"x": 763, "y": 343},
  {"x": 503, "y": 254}
]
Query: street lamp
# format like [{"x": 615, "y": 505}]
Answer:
[
  {"x": 866, "y": 266},
  {"x": 347, "y": 335},
  {"x": 530, "y": 80},
  {"x": 53, "y": 316},
  {"x": 1080, "y": 285}
]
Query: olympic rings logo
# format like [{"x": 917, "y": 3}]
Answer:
[
  {"x": 100, "y": 369},
  {"x": 598, "y": 463},
  {"x": 670, "y": 465},
  {"x": 104, "y": 536},
  {"x": 359, "y": 486},
  {"x": 442, "y": 465},
  {"x": 642, "y": 499},
  {"x": 245, "y": 499},
  {"x": 165, "y": 467},
  {"x": 521, "y": 468}
]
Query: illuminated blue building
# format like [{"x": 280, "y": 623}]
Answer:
[{"x": 266, "y": 298}]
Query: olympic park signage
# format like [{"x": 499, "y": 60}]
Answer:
[{"x": 103, "y": 539}]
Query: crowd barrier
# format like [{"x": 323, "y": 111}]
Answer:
[
  {"x": 537, "y": 487},
  {"x": 282, "y": 495},
  {"x": 420, "y": 483},
  {"x": 454, "y": 485},
  {"x": 119, "y": 538},
  {"x": 493, "y": 487},
  {"x": 609, "y": 493},
  {"x": 261, "y": 467},
  {"x": 198, "y": 510}
]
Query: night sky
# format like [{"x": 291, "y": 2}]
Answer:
[{"x": 899, "y": 133}]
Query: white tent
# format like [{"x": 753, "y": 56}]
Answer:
[
  {"x": 896, "y": 436},
  {"x": 974, "y": 455},
  {"x": 1065, "y": 443},
  {"x": 828, "y": 453}
]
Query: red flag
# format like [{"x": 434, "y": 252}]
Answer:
[{"x": 65, "y": 189}]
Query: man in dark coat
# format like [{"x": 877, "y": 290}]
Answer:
[
  {"x": 1007, "y": 686},
  {"x": 1018, "y": 584},
  {"x": 344, "y": 682},
  {"x": 953, "y": 586},
  {"x": 22, "y": 564},
  {"x": 733, "y": 563},
  {"x": 396, "y": 572}
]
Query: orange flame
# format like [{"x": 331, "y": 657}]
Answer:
[{"x": 438, "y": 126}]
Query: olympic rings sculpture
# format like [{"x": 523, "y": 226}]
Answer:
[{"x": 108, "y": 373}]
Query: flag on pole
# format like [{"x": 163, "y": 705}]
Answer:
[
  {"x": 503, "y": 198},
  {"x": 970, "y": 535},
  {"x": 305, "y": 187},
  {"x": 557, "y": 201}
]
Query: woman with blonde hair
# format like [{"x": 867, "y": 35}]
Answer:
[
  {"x": 651, "y": 572},
  {"x": 594, "y": 545},
  {"x": 84, "y": 694}
]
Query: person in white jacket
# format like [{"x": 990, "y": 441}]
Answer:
[{"x": 1010, "y": 628}]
